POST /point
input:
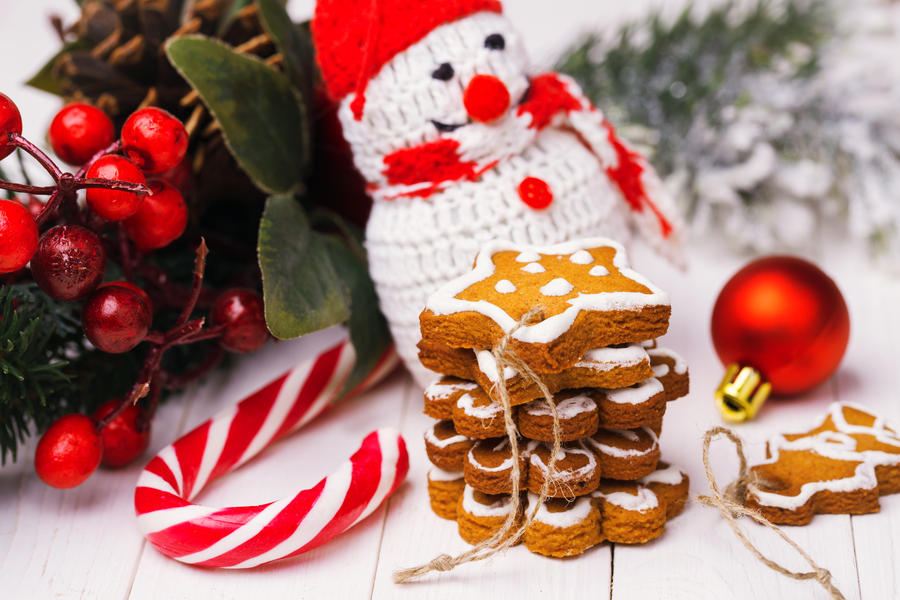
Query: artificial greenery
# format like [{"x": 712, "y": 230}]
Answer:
[{"x": 258, "y": 154}]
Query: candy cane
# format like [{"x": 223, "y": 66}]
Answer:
[{"x": 248, "y": 536}]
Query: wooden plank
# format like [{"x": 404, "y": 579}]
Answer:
[
  {"x": 870, "y": 377},
  {"x": 295, "y": 463},
  {"x": 73, "y": 543},
  {"x": 413, "y": 535}
]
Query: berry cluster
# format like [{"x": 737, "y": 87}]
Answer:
[{"x": 133, "y": 205}]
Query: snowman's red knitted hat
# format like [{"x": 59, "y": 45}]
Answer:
[{"x": 355, "y": 38}]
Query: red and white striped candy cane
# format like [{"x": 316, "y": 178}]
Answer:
[{"x": 247, "y": 536}]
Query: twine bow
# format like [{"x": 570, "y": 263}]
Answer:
[
  {"x": 731, "y": 504},
  {"x": 504, "y": 537}
]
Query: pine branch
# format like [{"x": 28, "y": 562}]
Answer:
[{"x": 668, "y": 76}]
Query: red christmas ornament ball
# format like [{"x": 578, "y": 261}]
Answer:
[
  {"x": 785, "y": 317},
  {"x": 68, "y": 452}
]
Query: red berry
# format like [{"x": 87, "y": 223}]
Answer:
[
  {"x": 139, "y": 291},
  {"x": 10, "y": 122},
  {"x": 114, "y": 205},
  {"x": 181, "y": 176},
  {"x": 124, "y": 438},
  {"x": 115, "y": 319},
  {"x": 161, "y": 218},
  {"x": 18, "y": 236},
  {"x": 34, "y": 205},
  {"x": 155, "y": 140},
  {"x": 70, "y": 262},
  {"x": 79, "y": 131},
  {"x": 241, "y": 311},
  {"x": 68, "y": 452}
]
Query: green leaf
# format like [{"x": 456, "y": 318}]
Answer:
[
  {"x": 261, "y": 121},
  {"x": 369, "y": 332},
  {"x": 301, "y": 288},
  {"x": 297, "y": 53},
  {"x": 44, "y": 79}
]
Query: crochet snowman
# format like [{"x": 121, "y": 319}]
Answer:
[{"x": 461, "y": 144}]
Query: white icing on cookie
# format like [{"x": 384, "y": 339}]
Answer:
[
  {"x": 487, "y": 364},
  {"x": 466, "y": 403},
  {"x": 436, "y": 474},
  {"x": 643, "y": 501},
  {"x": 681, "y": 366},
  {"x": 599, "y": 271},
  {"x": 582, "y": 257},
  {"x": 584, "y": 471},
  {"x": 609, "y": 450},
  {"x": 434, "y": 440},
  {"x": 505, "y": 286},
  {"x": 444, "y": 301},
  {"x": 534, "y": 268},
  {"x": 668, "y": 476},
  {"x": 557, "y": 287},
  {"x": 610, "y": 357},
  {"x": 660, "y": 370},
  {"x": 506, "y": 464},
  {"x": 566, "y": 409},
  {"x": 439, "y": 389},
  {"x": 500, "y": 507},
  {"x": 527, "y": 257},
  {"x": 636, "y": 394},
  {"x": 576, "y": 512}
]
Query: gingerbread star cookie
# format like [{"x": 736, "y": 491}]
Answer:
[
  {"x": 577, "y": 296},
  {"x": 840, "y": 466},
  {"x": 609, "y": 367}
]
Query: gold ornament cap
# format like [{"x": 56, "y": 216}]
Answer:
[{"x": 741, "y": 393}]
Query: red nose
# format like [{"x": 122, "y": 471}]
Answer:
[{"x": 486, "y": 98}]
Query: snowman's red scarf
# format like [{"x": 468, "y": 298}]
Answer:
[{"x": 424, "y": 170}]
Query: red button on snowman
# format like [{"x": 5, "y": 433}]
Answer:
[{"x": 461, "y": 144}]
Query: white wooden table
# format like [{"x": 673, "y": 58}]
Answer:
[{"x": 84, "y": 543}]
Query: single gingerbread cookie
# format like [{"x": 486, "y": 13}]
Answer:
[
  {"x": 631, "y": 407},
  {"x": 441, "y": 396},
  {"x": 444, "y": 491},
  {"x": 578, "y": 295},
  {"x": 478, "y": 416},
  {"x": 562, "y": 527},
  {"x": 480, "y": 515},
  {"x": 609, "y": 367},
  {"x": 636, "y": 512},
  {"x": 672, "y": 372},
  {"x": 577, "y": 413},
  {"x": 840, "y": 466},
  {"x": 625, "y": 454},
  {"x": 446, "y": 449}
]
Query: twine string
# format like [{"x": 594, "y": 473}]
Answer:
[
  {"x": 731, "y": 504},
  {"x": 504, "y": 538}
]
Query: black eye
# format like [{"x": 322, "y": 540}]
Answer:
[
  {"x": 494, "y": 41},
  {"x": 443, "y": 72}
]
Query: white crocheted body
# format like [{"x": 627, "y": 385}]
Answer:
[
  {"x": 421, "y": 235},
  {"x": 416, "y": 245}
]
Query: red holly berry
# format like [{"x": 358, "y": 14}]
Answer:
[
  {"x": 69, "y": 263},
  {"x": 138, "y": 290},
  {"x": 155, "y": 140},
  {"x": 114, "y": 205},
  {"x": 10, "y": 122},
  {"x": 68, "y": 452},
  {"x": 241, "y": 311},
  {"x": 161, "y": 218},
  {"x": 18, "y": 236},
  {"x": 79, "y": 131},
  {"x": 125, "y": 437},
  {"x": 115, "y": 319}
]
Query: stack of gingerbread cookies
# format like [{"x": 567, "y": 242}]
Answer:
[{"x": 576, "y": 318}]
